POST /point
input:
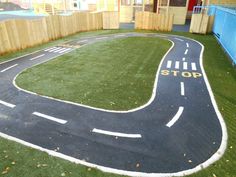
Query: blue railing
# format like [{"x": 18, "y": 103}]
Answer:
[{"x": 224, "y": 26}]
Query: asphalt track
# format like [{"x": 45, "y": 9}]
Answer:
[{"x": 178, "y": 132}]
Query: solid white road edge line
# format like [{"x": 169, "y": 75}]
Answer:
[
  {"x": 118, "y": 134},
  {"x": 61, "y": 121},
  {"x": 37, "y": 57},
  {"x": 179, "y": 39},
  {"x": 176, "y": 117},
  {"x": 9, "y": 68},
  {"x": 201, "y": 166},
  {"x": 186, "y": 52},
  {"x": 182, "y": 88},
  {"x": 100, "y": 109},
  {"x": 7, "y": 104}
]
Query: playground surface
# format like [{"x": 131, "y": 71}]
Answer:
[{"x": 178, "y": 131}]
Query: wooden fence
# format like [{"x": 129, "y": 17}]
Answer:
[
  {"x": 153, "y": 21},
  {"x": 20, "y": 34},
  {"x": 111, "y": 20},
  {"x": 201, "y": 23}
]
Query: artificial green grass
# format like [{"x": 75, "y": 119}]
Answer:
[
  {"x": 222, "y": 78},
  {"x": 117, "y": 74}
]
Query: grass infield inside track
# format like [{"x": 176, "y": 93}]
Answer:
[
  {"x": 115, "y": 74},
  {"x": 18, "y": 160}
]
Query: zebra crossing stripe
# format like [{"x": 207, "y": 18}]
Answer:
[
  {"x": 194, "y": 68},
  {"x": 169, "y": 64},
  {"x": 185, "y": 65}
]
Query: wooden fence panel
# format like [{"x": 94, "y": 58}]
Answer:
[
  {"x": 20, "y": 34},
  {"x": 153, "y": 21},
  {"x": 111, "y": 20},
  {"x": 201, "y": 23}
]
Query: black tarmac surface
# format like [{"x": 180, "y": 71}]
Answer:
[{"x": 190, "y": 141}]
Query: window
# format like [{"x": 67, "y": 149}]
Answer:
[{"x": 179, "y": 3}]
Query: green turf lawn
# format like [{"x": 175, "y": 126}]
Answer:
[
  {"x": 17, "y": 160},
  {"x": 117, "y": 74}
]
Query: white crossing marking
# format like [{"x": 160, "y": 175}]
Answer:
[
  {"x": 50, "y": 49},
  {"x": 182, "y": 88},
  {"x": 59, "y": 49},
  {"x": 179, "y": 39},
  {"x": 168, "y": 64},
  {"x": 186, "y": 52},
  {"x": 61, "y": 121},
  {"x": 7, "y": 104},
  {"x": 9, "y": 68},
  {"x": 176, "y": 117},
  {"x": 101, "y": 38},
  {"x": 54, "y": 49},
  {"x": 187, "y": 44},
  {"x": 183, "y": 58},
  {"x": 194, "y": 68},
  {"x": 116, "y": 133},
  {"x": 185, "y": 65},
  {"x": 37, "y": 57},
  {"x": 65, "y": 50},
  {"x": 177, "y": 65}
]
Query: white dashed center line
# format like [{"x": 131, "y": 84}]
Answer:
[
  {"x": 176, "y": 117},
  {"x": 7, "y": 104},
  {"x": 116, "y": 134},
  {"x": 61, "y": 121},
  {"x": 182, "y": 88},
  {"x": 9, "y": 68},
  {"x": 186, "y": 52},
  {"x": 37, "y": 57}
]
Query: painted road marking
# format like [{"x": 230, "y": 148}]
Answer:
[
  {"x": 120, "y": 35},
  {"x": 7, "y": 104},
  {"x": 185, "y": 65},
  {"x": 61, "y": 121},
  {"x": 50, "y": 49},
  {"x": 179, "y": 39},
  {"x": 168, "y": 64},
  {"x": 182, "y": 88},
  {"x": 59, "y": 49},
  {"x": 9, "y": 68},
  {"x": 185, "y": 74},
  {"x": 177, "y": 65},
  {"x": 100, "y": 38},
  {"x": 186, "y": 52},
  {"x": 116, "y": 134},
  {"x": 194, "y": 68},
  {"x": 176, "y": 117},
  {"x": 37, "y": 57},
  {"x": 183, "y": 58},
  {"x": 65, "y": 50},
  {"x": 82, "y": 41},
  {"x": 54, "y": 49},
  {"x": 187, "y": 45}
]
